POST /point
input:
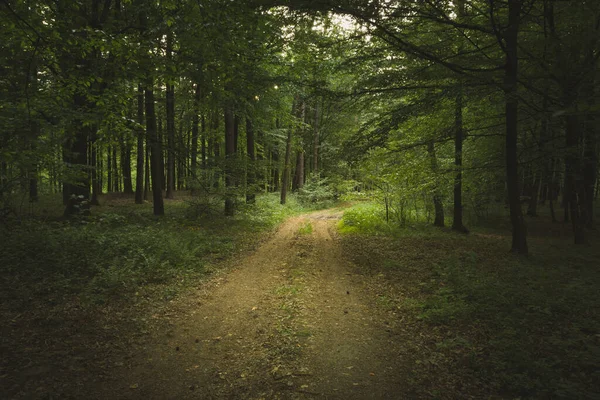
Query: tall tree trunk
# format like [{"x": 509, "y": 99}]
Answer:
[
  {"x": 147, "y": 167},
  {"x": 155, "y": 150},
  {"x": 75, "y": 156},
  {"x": 216, "y": 148},
  {"x": 96, "y": 188},
  {"x": 115, "y": 169},
  {"x": 170, "y": 123},
  {"x": 161, "y": 159},
  {"x": 251, "y": 170},
  {"x": 126, "y": 166},
  {"x": 285, "y": 179},
  {"x": 299, "y": 172},
  {"x": 203, "y": 142},
  {"x": 457, "y": 223},
  {"x": 109, "y": 169},
  {"x": 437, "y": 198},
  {"x": 315, "y": 165},
  {"x": 229, "y": 160},
  {"x": 519, "y": 234},
  {"x": 194, "y": 146},
  {"x": 139, "y": 167}
]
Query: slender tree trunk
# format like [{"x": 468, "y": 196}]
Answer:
[
  {"x": 203, "y": 141},
  {"x": 316, "y": 140},
  {"x": 437, "y": 198},
  {"x": 519, "y": 234},
  {"x": 285, "y": 179},
  {"x": 170, "y": 124},
  {"x": 139, "y": 167},
  {"x": 299, "y": 172},
  {"x": 216, "y": 149},
  {"x": 109, "y": 169},
  {"x": 457, "y": 223},
  {"x": 94, "y": 163},
  {"x": 155, "y": 150},
  {"x": 115, "y": 169},
  {"x": 147, "y": 167},
  {"x": 251, "y": 170},
  {"x": 194, "y": 149},
  {"x": 229, "y": 160},
  {"x": 126, "y": 166}
]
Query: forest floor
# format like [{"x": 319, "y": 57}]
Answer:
[{"x": 332, "y": 304}]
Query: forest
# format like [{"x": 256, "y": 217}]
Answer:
[{"x": 293, "y": 199}]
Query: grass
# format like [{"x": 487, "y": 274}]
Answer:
[
  {"x": 123, "y": 252},
  {"x": 305, "y": 229},
  {"x": 480, "y": 320}
]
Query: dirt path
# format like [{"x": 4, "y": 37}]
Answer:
[{"x": 292, "y": 320}]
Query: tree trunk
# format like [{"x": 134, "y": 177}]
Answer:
[
  {"x": 230, "y": 139},
  {"x": 139, "y": 167},
  {"x": 115, "y": 169},
  {"x": 147, "y": 168},
  {"x": 155, "y": 150},
  {"x": 96, "y": 188},
  {"x": 285, "y": 179},
  {"x": 75, "y": 156},
  {"x": 519, "y": 234},
  {"x": 316, "y": 140},
  {"x": 299, "y": 172},
  {"x": 170, "y": 124},
  {"x": 126, "y": 166},
  {"x": 203, "y": 142},
  {"x": 437, "y": 198},
  {"x": 194, "y": 146},
  {"x": 457, "y": 223},
  {"x": 251, "y": 170}
]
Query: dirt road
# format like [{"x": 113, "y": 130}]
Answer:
[{"x": 292, "y": 320}]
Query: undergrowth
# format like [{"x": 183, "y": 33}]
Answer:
[
  {"x": 505, "y": 325},
  {"x": 123, "y": 253}
]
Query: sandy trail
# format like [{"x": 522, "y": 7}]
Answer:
[{"x": 292, "y": 320}]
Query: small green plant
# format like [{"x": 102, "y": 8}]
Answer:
[{"x": 305, "y": 229}]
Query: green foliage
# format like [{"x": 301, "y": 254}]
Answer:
[
  {"x": 316, "y": 190},
  {"x": 305, "y": 229},
  {"x": 364, "y": 218}
]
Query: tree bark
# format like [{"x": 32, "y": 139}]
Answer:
[
  {"x": 519, "y": 234},
  {"x": 155, "y": 150},
  {"x": 316, "y": 140},
  {"x": 285, "y": 179},
  {"x": 194, "y": 146},
  {"x": 139, "y": 179},
  {"x": 437, "y": 198},
  {"x": 170, "y": 97},
  {"x": 299, "y": 172},
  {"x": 229, "y": 160},
  {"x": 126, "y": 166},
  {"x": 457, "y": 223},
  {"x": 251, "y": 170}
]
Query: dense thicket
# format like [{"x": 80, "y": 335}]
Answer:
[{"x": 442, "y": 108}]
